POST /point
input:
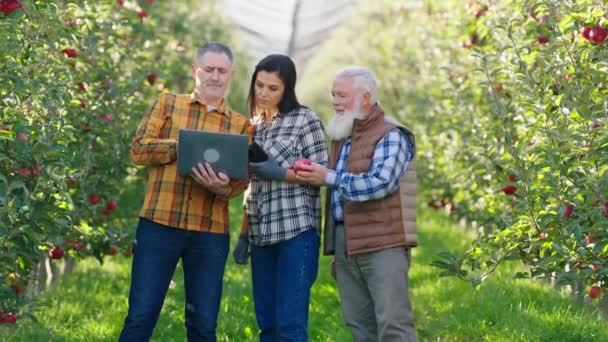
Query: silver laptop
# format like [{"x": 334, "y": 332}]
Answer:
[{"x": 225, "y": 152}]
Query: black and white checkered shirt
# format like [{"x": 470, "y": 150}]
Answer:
[{"x": 279, "y": 210}]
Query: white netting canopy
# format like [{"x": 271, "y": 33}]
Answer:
[{"x": 292, "y": 27}]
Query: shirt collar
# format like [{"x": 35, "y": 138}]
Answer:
[{"x": 223, "y": 108}]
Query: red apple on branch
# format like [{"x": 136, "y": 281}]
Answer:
[
  {"x": 542, "y": 39},
  {"x": 569, "y": 210},
  {"x": 112, "y": 250},
  {"x": 595, "y": 292},
  {"x": 9, "y": 6},
  {"x": 56, "y": 253},
  {"x": 509, "y": 189},
  {"x": 70, "y": 53},
  {"x": 8, "y": 318},
  {"x": 94, "y": 199},
  {"x": 585, "y": 32},
  {"x": 152, "y": 78},
  {"x": 16, "y": 288},
  {"x": 598, "y": 35},
  {"x": 590, "y": 239}
]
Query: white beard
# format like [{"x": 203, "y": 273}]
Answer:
[{"x": 340, "y": 127}]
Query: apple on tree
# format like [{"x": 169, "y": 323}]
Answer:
[
  {"x": 112, "y": 250},
  {"x": 56, "y": 253},
  {"x": 9, "y": 318},
  {"x": 595, "y": 292}
]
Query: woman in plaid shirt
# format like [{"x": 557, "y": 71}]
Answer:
[{"x": 284, "y": 214}]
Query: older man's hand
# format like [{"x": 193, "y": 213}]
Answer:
[
  {"x": 313, "y": 174},
  {"x": 217, "y": 183}
]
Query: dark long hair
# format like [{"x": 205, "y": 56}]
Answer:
[{"x": 286, "y": 69}]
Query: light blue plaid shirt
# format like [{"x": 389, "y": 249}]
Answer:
[{"x": 389, "y": 162}]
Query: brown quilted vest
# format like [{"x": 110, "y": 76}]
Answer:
[{"x": 376, "y": 224}]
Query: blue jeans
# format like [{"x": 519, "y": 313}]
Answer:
[
  {"x": 156, "y": 251},
  {"x": 282, "y": 275}
]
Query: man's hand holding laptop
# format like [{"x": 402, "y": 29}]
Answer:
[{"x": 218, "y": 183}]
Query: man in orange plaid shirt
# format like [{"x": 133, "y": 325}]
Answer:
[{"x": 184, "y": 217}]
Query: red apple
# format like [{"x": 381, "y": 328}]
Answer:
[
  {"x": 111, "y": 204},
  {"x": 77, "y": 245},
  {"x": 72, "y": 182},
  {"x": 297, "y": 166},
  {"x": 70, "y": 53},
  {"x": 10, "y": 6},
  {"x": 56, "y": 253},
  {"x": 16, "y": 288},
  {"x": 113, "y": 250},
  {"x": 543, "y": 235},
  {"x": 590, "y": 239},
  {"x": 8, "y": 318},
  {"x": 569, "y": 210},
  {"x": 94, "y": 199},
  {"x": 81, "y": 86},
  {"x": 509, "y": 189},
  {"x": 22, "y": 136},
  {"x": 83, "y": 104},
  {"x": 24, "y": 171},
  {"x": 542, "y": 39},
  {"x": 106, "y": 117},
  {"x": 151, "y": 78},
  {"x": 595, "y": 292},
  {"x": 120, "y": 2},
  {"x": 585, "y": 30},
  {"x": 596, "y": 267},
  {"x": 142, "y": 14},
  {"x": 512, "y": 177},
  {"x": 598, "y": 35}
]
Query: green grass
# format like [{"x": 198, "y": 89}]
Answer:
[{"x": 90, "y": 304}]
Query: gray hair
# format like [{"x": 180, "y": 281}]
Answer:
[
  {"x": 216, "y": 47},
  {"x": 363, "y": 78}
]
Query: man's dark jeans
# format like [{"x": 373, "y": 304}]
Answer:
[
  {"x": 156, "y": 251},
  {"x": 283, "y": 274}
]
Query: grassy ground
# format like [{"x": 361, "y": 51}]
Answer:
[{"x": 91, "y": 303}]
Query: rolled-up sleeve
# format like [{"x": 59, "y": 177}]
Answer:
[{"x": 148, "y": 148}]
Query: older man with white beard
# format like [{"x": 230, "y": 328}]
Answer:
[{"x": 370, "y": 220}]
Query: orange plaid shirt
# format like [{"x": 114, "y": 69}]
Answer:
[{"x": 172, "y": 199}]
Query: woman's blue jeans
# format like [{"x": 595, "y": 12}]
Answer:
[{"x": 283, "y": 274}]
